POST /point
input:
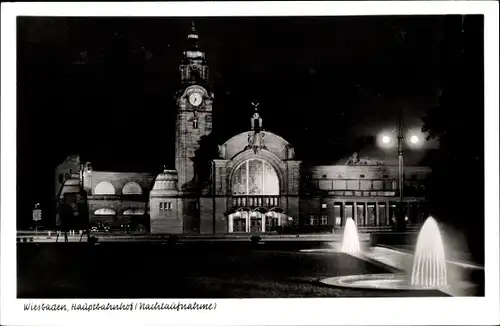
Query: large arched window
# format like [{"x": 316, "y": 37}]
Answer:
[
  {"x": 132, "y": 188},
  {"x": 255, "y": 177},
  {"x": 104, "y": 188}
]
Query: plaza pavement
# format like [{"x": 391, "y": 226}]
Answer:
[{"x": 44, "y": 237}]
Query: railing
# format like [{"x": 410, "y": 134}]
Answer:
[
  {"x": 361, "y": 187},
  {"x": 256, "y": 201}
]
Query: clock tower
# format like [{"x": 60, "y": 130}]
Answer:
[{"x": 194, "y": 112}]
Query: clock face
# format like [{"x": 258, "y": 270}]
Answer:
[{"x": 195, "y": 99}]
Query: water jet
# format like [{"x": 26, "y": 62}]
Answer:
[
  {"x": 429, "y": 265},
  {"x": 350, "y": 239},
  {"x": 428, "y": 271}
]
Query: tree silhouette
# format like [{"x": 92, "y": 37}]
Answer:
[{"x": 457, "y": 122}]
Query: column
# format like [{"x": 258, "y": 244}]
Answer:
[
  {"x": 365, "y": 211},
  {"x": 355, "y": 212},
  {"x": 377, "y": 217},
  {"x": 342, "y": 213},
  {"x": 263, "y": 219},
  {"x": 248, "y": 176},
  {"x": 263, "y": 178},
  {"x": 248, "y": 220},
  {"x": 230, "y": 223},
  {"x": 388, "y": 212}
]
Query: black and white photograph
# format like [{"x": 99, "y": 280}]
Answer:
[{"x": 168, "y": 160}]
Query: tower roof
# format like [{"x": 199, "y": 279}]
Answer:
[
  {"x": 165, "y": 183},
  {"x": 193, "y": 50}
]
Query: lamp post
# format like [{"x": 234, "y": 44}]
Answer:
[
  {"x": 401, "y": 213},
  {"x": 387, "y": 141}
]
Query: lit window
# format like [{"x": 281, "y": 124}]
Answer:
[
  {"x": 104, "y": 188},
  {"x": 195, "y": 123},
  {"x": 166, "y": 206},
  {"x": 323, "y": 205},
  {"x": 132, "y": 188},
  {"x": 324, "y": 219},
  {"x": 255, "y": 177}
]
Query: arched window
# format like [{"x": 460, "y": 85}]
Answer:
[
  {"x": 133, "y": 211},
  {"x": 132, "y": 188},
  {"x": 255, "y": 177},
  {"x": 105, "y": 211},
  {"x": 104, "y": 188}
]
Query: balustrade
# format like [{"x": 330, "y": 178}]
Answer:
[
  {"x": 255, "y": 201},
  {"x": 362, "y": 187}
]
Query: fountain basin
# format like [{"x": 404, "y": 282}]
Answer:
[{"x": 386, "y": 281}]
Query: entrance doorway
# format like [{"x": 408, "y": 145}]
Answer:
[{"x": 255, "y": 221}]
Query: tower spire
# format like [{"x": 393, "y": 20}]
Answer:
[
  {"x": 194, "y": 66},
  {"x": 193, "y": 34}
]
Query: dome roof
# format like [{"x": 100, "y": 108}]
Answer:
[
  {"x": 274, "y": 144},
  {"x": 193, "y": 51},
  {"x": 165, "y": 184}
]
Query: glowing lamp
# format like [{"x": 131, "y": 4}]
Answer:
[{"x": 414, "y": 139}]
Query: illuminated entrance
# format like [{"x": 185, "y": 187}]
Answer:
[
  {"x": 246, "y": 220},
  {"x": 255, "y": 189}
]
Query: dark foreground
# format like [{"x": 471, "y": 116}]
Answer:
[{"x": 224, "y": 270}]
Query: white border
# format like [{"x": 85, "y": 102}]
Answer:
[{"x": 466, "y": 311}]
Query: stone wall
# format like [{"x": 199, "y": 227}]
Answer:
[
  {"x": 190, "y": 215},
  {"x": 166, "y": 221},
  {"x": 207, "y": 215}
]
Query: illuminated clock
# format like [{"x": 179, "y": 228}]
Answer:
[{"x": 195, "y": 99}]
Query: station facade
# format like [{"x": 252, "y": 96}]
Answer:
[{"x": 256, "y": 184}]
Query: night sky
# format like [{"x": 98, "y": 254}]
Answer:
[{"x": 104, "y": 87}]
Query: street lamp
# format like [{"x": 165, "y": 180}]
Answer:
[
  {"x": 387, "y": 140},
  {"x": 414, "y": 139}
]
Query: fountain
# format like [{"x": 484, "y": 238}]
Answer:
[
  {"x": 429, "y": 265},
  {"x": 350, "y": 239},
  {"x": 428, "y": 270}
]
